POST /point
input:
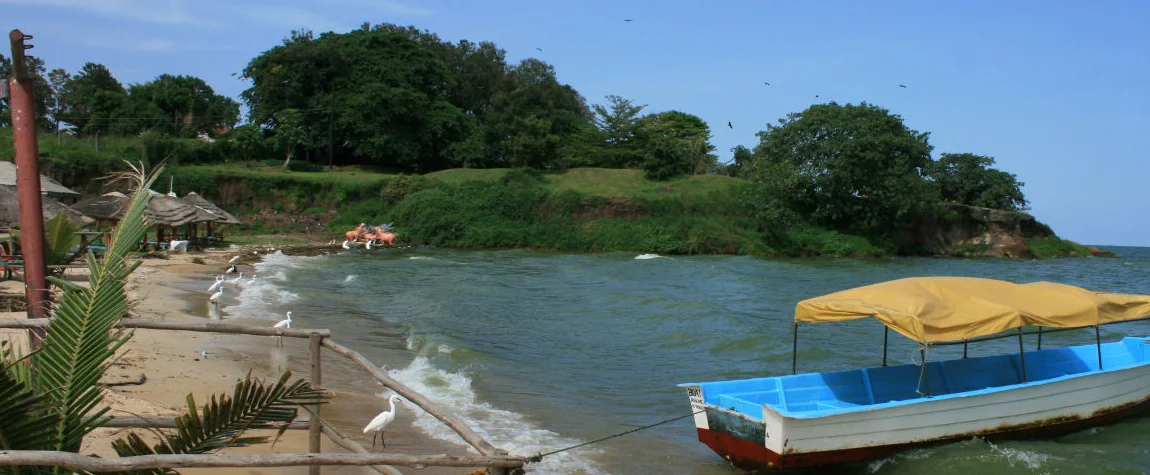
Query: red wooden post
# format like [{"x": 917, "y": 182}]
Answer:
[{"x": 22, "y": 106}]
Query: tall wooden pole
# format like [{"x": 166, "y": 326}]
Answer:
[
  {"x": 22, "y": 106},
  {"x": 315, "y": 428}
]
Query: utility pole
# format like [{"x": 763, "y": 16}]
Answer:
[{"x": 23, "y": 109}]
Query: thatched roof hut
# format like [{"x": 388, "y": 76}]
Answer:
[
  {"x": 168, "y": 210},
  {"x": 47, "y": 185},
  {"x": 207, "y": 206},
  {"x": 10, "y": 209},
  {"x": 109, "y": 206}
]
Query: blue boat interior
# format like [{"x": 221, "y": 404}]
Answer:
[{"x": 820, "y": 394}]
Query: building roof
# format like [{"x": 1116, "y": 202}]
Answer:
[
  {"x": 10, "y": 209},
  {"x": 171, "y": 211},
  {"x": 47, "y": 185},
  {"x": 107, "y": 206},
  {"x": 207, "y": 206}
]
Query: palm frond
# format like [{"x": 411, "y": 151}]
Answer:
[
  {"x": 222, "y": 421},
  {"x": 11, "y": 360},
  {"x": 59, "y": 239},
  {"x": 80, "y": 339},
  {"x": 25, "y": 424}
]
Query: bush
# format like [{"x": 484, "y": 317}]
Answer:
[{"x": 304, "y": 166}]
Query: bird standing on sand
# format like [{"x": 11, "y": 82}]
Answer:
[
  {"x": 238, "y": 278},
  {"x": 234, "y": 259},
  {"x": 286, "y": 323},
  {"x": 231, "y": 269},
  {"x": 381, "y": 421},
  {"x": 215, "y": 298}
]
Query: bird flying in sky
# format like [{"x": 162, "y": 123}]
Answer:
[
  {"x": 902, "y": 86},
  {"x": 729, "y": 125}
]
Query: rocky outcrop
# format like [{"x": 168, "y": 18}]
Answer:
[{"x": 974, "y": 231}]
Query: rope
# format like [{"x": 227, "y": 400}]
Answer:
[{"x": 538, "y": 457}]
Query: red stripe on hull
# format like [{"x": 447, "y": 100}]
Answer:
[{"x": 753, "y": 456}]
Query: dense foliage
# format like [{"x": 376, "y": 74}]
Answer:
[{"x": 393, "y": 99}]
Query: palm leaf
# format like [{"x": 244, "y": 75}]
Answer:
[
  {"x": 59, "y": 239},
  {"x": 80, "y": 339},
  {"x": 25, "y": 423},
  {"x": 222, "y": 421}
]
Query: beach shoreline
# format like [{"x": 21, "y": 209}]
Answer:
[{"x": 174, "y": 365}]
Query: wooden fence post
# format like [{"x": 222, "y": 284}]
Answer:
[{"x": 315, "y": 427}]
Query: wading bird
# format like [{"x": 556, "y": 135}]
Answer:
[
  {"x": 219, "y": 281},
  {"x": 381, "y": 421},
  {"x": 215, "y": 298},
  {"x": 285, "y": 323},
  {"x": 234, "y": 259}
]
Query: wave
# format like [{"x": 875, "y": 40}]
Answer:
[
  {"x": 349, "y": 278},
  {"x": 505, "y": 429},
  {"x": 264, "y": 298},
  {"x": 647, "y": 256}
]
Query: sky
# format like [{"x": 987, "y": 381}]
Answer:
[{"x": 1057, "y": 92}]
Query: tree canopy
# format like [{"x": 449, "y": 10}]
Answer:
[
  {"x": 969, "y": 179},
  {"x": 858, "y": 168}
]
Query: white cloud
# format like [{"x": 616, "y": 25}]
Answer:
[
  {"x": 289, "y": 17},
  {"x": 171, "y": 12},
  {"x": 152, "y": 45},
  {"x": 385, "y": 6}
]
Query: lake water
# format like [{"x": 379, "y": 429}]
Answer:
[{"x": 541, "y": 351}]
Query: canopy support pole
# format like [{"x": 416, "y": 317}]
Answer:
[
  {"x": 795, "y": 350},
  {"x": 1039, "y": 338},
  {"x": 885, "y": 335},
  {"x": 1098, "y": 343},
  {"x": 964, "y": 349},
  {"x": 1021, "y": 355},
  {"x": 925, "y": 373}
]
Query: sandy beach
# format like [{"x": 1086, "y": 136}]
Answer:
[{"x": 174, "y": 367}]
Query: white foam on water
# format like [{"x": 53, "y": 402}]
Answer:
[
  {"x": 1031, "y": 459},
  {"x": 647, "y": 256},
  {"x": 349, "y": 278},
  {"x": 422, "y": 258},
  {"x": 505, "y": 429},
  {"x": 264, "y": 298}
]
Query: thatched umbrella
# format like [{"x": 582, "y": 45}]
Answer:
[
  {"x": 10, "y": 209},
  {"x": 221, "y": 216},
  {"x": 203, "y": 204},
  {"x": 109, "y": 206},
  {"x": 47, "y": 184}
]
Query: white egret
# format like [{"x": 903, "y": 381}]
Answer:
[
  {"x": 238, "y": 278},
  {"x": 381, "y": 421},
  {"x": 369, "y": 245},
  {"x": 345, "y": 246},
  {"x": 234, "y": 259},
  {"x": 286, "y": 323},
  {"x": 219, "y": 281},
  {"x": 215, "y": 298},
  {"x": 231, "y": 270}
]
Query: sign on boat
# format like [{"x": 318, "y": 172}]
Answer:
[{"x": 816, "y": 419}]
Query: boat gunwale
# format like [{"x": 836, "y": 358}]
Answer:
[{"x": 822, "y": 413}]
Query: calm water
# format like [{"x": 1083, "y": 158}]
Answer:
[{"x": 543, "y": 350}]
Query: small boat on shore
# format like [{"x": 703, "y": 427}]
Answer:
[{"x": 816, "y": 419}]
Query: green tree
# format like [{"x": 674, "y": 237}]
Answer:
[
  {"x": 534, "y": 124},
  {"x": 970, "y": 179},
  {"x": 678, "y": 130},
  {"x": 859, "y": 168},
  {"x": 92, "y": 99},
  {"x": 290, "y": 132},
  {"x": 741, "y": 160},
  {"x": 58, "y": 81},
  {"x": 183, "y": 106},
  {"x": 42, "y": 94},
  {"x": 618, "y": 140}
]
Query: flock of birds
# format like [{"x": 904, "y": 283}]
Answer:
[{"x": 377, "y": 424}]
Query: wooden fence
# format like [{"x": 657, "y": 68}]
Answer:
[{"x": 496, "y": 461}]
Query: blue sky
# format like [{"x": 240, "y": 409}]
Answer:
[{"x": 1056, "y": 92}]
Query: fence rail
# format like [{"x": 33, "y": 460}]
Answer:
[{"x": 497, "y": 461}]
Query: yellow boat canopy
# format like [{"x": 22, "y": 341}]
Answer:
[{"x": 948, "y": 309}]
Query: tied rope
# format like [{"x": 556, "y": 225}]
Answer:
[{"x": 539, "y": 457}]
